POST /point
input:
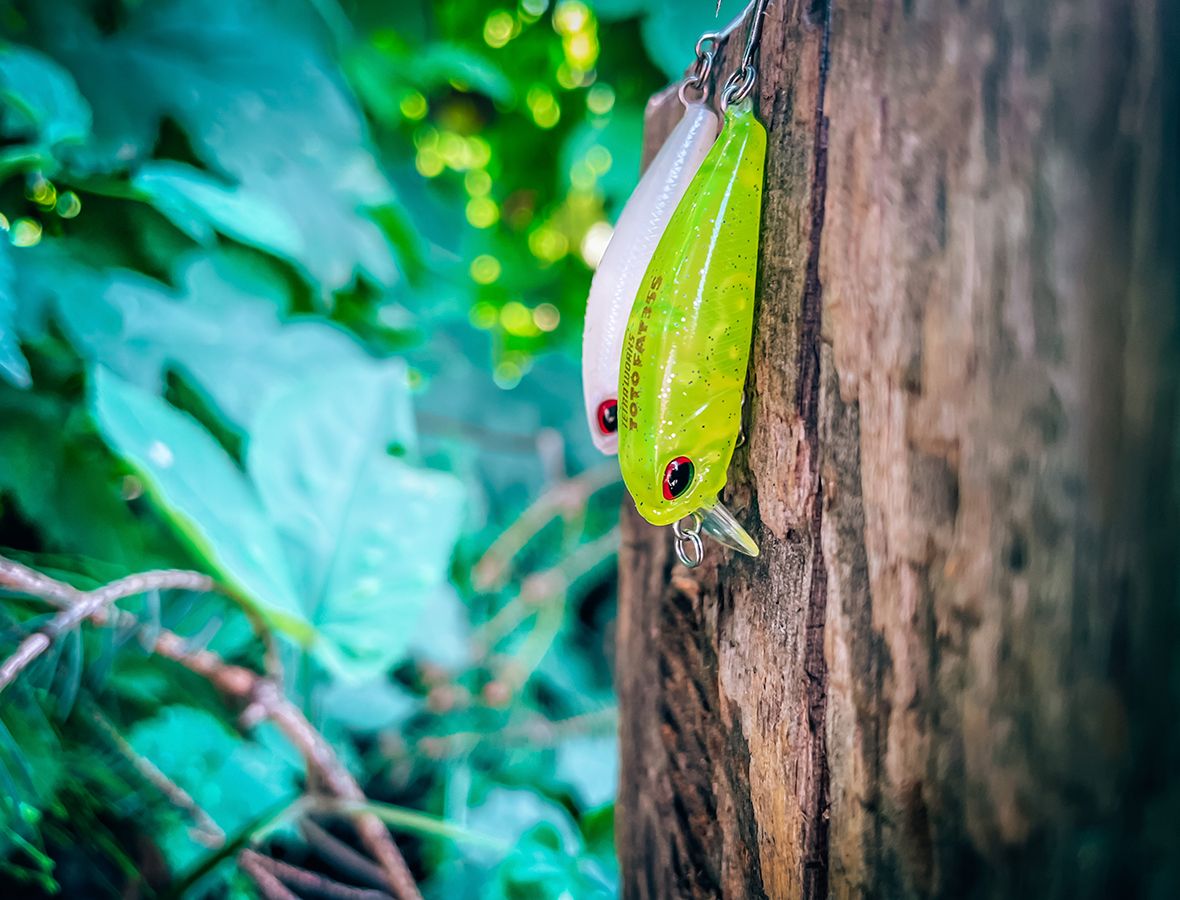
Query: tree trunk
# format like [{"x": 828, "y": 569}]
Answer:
[{"x": 952, "y": 672}]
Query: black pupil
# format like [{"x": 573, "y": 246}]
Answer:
[
  {"x": 608, "y": 417},
  {"x": 679, "y": 477}
]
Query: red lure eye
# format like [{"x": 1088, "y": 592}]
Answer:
[
  {"x": 677, "y": 477},
  {"x": 608, "y": 416}
]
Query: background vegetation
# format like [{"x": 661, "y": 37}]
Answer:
[{"x": 291, "y": 296}]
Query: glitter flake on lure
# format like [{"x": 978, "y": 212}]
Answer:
[
  {"x": 687, "y": 342},
  {"x": 620, "y": 273}
]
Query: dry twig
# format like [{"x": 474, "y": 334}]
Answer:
[
  {"x": 565, "y": 498},
  {"x": 541, "y": 588},
  {"x": 77, "y": 606},
  {"x": 205, "y": 831},
  {"x": 535, "y": 733},
  {"x": 320, "y": 885},
  {"x": 340, "y": 854},
  {"x": 255, "y": 865},
  {"x": 254, "y": 691}
]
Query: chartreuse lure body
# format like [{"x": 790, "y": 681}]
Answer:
[
  {"x": 616, "y": 282},
  {"x": 687, "y": 343}
]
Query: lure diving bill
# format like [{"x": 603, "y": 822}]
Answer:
[
  {"x": 687, "y": 341},
  {"x": 620, "y": 273}
]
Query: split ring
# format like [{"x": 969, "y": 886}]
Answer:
[
  {"x": 738, "y": 87},
  {"x": 686, "y": 538}
]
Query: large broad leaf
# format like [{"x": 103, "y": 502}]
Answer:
[
  {"x": 197, "y": 484},
  {"x": 199, "y": 205},
  {"x": 248, "y": 351},
  {"x": 233, "y": 780},
  {"x": 41, "y": 101},
  {"x": 369, "y": 536},
  {"x": 224, "y": 328},
  {"x": 255, "y": 96}
]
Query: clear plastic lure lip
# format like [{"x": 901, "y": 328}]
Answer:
[{"x": 720, "y": 524}]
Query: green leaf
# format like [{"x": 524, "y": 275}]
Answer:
[
  {"x": 42, "y": 103},
  {"x": 68, "y": 673},
  {"x": 444, "y": 638},
  {"x": 223, "y": 327},
  {"x": 31, "y": 755},
  {"x": 194, "y": 481},
  {"x": 197, "y": 203},
  {"x": 58, "y": 475},
  {"x": 245, "y": 351},
  {"x": 370, "y": 536},
  {"x": 260, "y": 103},
  {"x": 234, "y": 780}
]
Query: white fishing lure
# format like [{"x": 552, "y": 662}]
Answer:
[{"x": 620, "y": 273}]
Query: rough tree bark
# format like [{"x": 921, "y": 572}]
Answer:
[{"x": 951, "y": 673}]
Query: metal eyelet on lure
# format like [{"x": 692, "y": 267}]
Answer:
[
  {"x": 637, "y": 232},
  {"x": 687, "y": 343},
  {"x": 690, "y": 537}
]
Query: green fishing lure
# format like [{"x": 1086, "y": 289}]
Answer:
[{"x": 687, "y": 343}]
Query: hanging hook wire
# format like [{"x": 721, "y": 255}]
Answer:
[
  {"x": 741, "y": 82},
  {"x": 703, "y": 66},
  {"x": 689, "y": 537}
]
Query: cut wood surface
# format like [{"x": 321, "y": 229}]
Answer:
[{"x": 952, "y": 670}]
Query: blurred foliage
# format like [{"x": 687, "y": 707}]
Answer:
[{"x": 292, "y": 294}]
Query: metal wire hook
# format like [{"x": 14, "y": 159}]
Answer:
[
  {"x": 690, "y": 537},
  {"x": 741, "y": 82},
  {"x": 703, "y": 66}
]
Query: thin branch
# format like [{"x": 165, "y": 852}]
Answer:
[
  {"x": 22, "y": 580},
  {"x": 31, "y": 647},
  {"x": 340, "y": 854},
  {"x": 404, "y": 819},
  {"x": 77, "y": 606},
  {"x": 158, "y": 580},
  {"x": 541, "y": 588},
  {"x": 205, "y": 831},
  {"x": 248, "y": 687},
  {"x": 321, "y": 885},
  {"x": 565, "y": 498},
  {"x": 519, "y": 667},
  {"x": 536, "y": 733},
  {"x": 255, "y": 865},
  {"x": 318, "y": 754}
]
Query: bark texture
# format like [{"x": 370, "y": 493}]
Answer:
[{"x": 952, "y": 671}]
